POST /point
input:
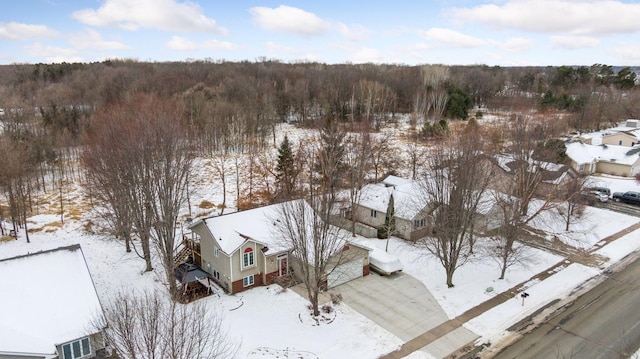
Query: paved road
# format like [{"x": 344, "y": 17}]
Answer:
[{"x": 602, "y": 323}]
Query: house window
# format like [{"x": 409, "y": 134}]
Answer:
[
  {"x": 216, "y": 274},
  {"x": 247, "y": 258},
  {"x": 620, "y": 142},
  {"x": 216, "y": 251},
  {"x": 247, "y": 281},
  {"x": 76, "y": 349},
  {"x": 419, "y": 223},
  {"x": 374, "y": 214},
  {"x": 581, "y": 168}
]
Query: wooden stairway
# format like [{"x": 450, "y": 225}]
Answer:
[{"x": 181, "y": 254}]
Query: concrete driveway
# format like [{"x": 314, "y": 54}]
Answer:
[{"x": 404, "y": 306}]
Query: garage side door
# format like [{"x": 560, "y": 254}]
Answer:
[{"x": 344, "y": 273}]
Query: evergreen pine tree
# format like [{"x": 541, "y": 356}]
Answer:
[
  {"x": 389, "y": 221},
  {"x": 285, "y": 170}
]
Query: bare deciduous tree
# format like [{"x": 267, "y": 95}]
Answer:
[
  {"x": 138, "y": 162},
  {"x": 453, "y": 189},
  {"x": 148, "y": 326},
  {"x": 305, "y": 225},
  {"x": 523, "y": 198}
]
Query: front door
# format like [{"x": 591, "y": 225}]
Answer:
[{"x": 283, "y": 267}]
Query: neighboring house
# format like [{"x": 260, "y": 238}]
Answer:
[
  {"x": 554, "y": 175},
  {"x": 411, "y": 215},
  {"x": 608, "y": 159},
  {"x": 623, "y": 138},
  {"x": 48, "y": 307},
  {"x": 489, "y": 215},
  {"x": 242, "y": 250},
  {"x": 412, "y": 212}
]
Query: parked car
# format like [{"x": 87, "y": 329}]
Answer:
[
  {"x": 600, "y": 190},
  {"x": 627, "y": 197},
  {"x": 591, "y": 195}
]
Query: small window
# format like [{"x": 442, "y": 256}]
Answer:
[
  {"x": 620, "y": 142},
  {"x": 247, "y": 258},
  {"x": 247, "y": 281},
  {"x": 374, "y": 214},
  {"x": 581, "y": 168},
  {"x": 216, "y": 274},
  {"x": 76, "y": 349},
  {"x": 216, "y": 251}
]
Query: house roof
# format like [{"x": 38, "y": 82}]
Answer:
[
  {"x": 551, "y": 172},
  {"x": 582, "y": 153},
  {"x": 189, "y": 273},
  {"x": 48, "y": 299},
  {"x": 260, "y": 225},
  {"x": 634, "y": 133},
  {"x": 406, "y": 194},
  {"x": 392, "y": 180},
  {"x": 232, "y": 230}
]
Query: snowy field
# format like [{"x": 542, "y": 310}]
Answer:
[{"x": 271, "y": 323}]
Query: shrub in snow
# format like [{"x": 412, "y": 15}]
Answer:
[
  {"x": 327, "y": 308},
  {"x": 336, "y": 298}
]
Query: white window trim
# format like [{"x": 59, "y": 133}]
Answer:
[
  {"x": 252, "y": 259},
  {"x": 374, "y": 213},
  {"x": 216, "y": 252},
  {"x": 248, "y": 281},
  {"x": 79, "y": 341}
]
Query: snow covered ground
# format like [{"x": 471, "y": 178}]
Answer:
[
  {"x": 269, "y": 321},
  {"x": 272, "y": 323}
]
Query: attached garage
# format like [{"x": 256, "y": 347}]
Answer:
[{"x": 345, "y": 272}]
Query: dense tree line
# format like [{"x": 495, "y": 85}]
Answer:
[{"x": 110, "y": 115}]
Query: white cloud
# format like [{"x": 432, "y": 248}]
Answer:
[
  {"x": 168, "y": 15},
  {"x": 289, "y": 19},
  {"x": 274, "y": 48},
  {"x": 451, "y": 38},
  {"x": 20, "y": 31},
  {"x": 182, "y": 44},
  {"x": 629, "y": 53},
  {"x": 514, "y": 44},
  {"x": 576, "y": 17},
  {"x": 91, "y": 39},
  {"x": 367, "y": 55},
  {"x": 52, "y": 53},
  {"x": 353, "y": 32},
  {"x": 574, "y": 42}
]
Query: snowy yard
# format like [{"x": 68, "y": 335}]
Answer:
[{"x": 271, "y": 323}]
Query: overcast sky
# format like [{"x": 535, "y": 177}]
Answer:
[{"x": 500, "y": 32}]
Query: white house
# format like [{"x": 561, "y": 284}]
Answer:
[
  {"x": 608, "y": 159},
  {"x": 48, "y": 306}
]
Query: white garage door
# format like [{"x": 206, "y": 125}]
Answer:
[{"x": 344, "y": 273}]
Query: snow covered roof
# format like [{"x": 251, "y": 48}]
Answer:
[
  {"x": 234, "y": 229},
  {"x": 392, "y": 180},
  {"x": 582, "y": 153},
  {"x": 406, "y": 194},
  {"x": 48, "y": 299}
]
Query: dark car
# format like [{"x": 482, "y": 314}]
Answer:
[{"x": 627, "y": 197}]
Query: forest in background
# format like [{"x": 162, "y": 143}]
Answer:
[{"x": 52, "y": 111}]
